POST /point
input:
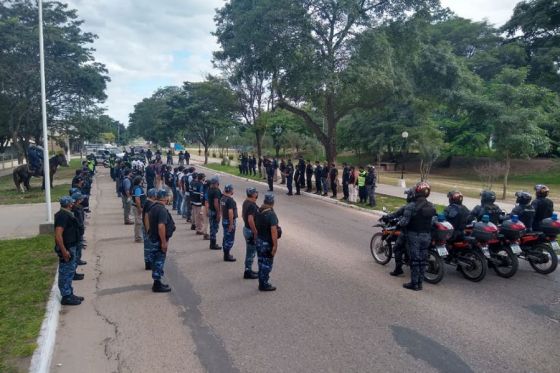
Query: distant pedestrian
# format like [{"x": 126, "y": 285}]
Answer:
[
  {"x": 309, "y": 176},
  {"x": 139, "y": 198},
  {"x": 288, "y": 176},
  {"x": 268, "y": 233},
  {"x": 318, "y": 182},
  {"x": 214, "y": 212},
  {"x": 352, "y": 185},
  {"x": 229, "y": 221},
  {"x": 126, "y": 186},
  {"x": 371, "y": 180},
  {"x": 283, "y": 171},
  {"x": 333, "y": 178},
  {"x": 325, "y": 179},
  {"x": 67, "y": 237},
  {"x": 362, "y": 192},
  {"x": 345, "y": 182},
  {"x": 150, "y": 201},
  {"x": 270, "y": 171}
]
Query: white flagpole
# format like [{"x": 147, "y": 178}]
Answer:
[{"x": 46, "y": 167}]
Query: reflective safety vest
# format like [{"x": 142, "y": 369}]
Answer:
[{"x": 362, "y": 179}]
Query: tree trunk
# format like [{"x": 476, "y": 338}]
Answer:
[
  {"x": 330, "y": 144},
  {"x": 259, "y": 137},
  {"x": 205, "y": 154},
  {"x": 506, "y": 176}
]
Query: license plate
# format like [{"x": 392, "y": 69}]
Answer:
[
  {"x": 515, "y": 248},
  {"x": 486, "y": 251},
  {"x": 556, "y": 247},
  {"x": 442, "y": 251}
]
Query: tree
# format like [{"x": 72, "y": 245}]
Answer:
[
  {"x": 72, "y": 73},
  {"x": 307, "y": 51},
  {"x": 203, "y": 110}
]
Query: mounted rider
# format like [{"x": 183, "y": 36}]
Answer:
[{"x": 35, "y": 157}]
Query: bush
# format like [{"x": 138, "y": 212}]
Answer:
[{"x": 230, "y": 157}]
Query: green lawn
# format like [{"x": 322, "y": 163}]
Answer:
[
  {"x": 10, "y": 196},
  {"x": 27, "y": 272},
  {"x": 390, "y": 203}
]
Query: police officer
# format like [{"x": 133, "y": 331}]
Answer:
[
  {"x": 161, "y": 228},
  {"x": 268, "y": 233},
  {"x": 289, "y": 176},
  {"x": 228, "y": 208},
  {"x": 79, "y": 213},
  {"x": 150, "y": 201},
  {"x": 399, "y": 248},
  {"x": 138, "y": 200},
  {"x": 197, "y": 199},
  {"x": 486, "y": 207},
  {"x": 214, "y": 212},
  {"x": 345, "y": 181},
  {"x": 318, "y": 173},
  {"x": 270, "y": 172},
  {"x": 301, "y": 168},
  {"x": 248, "y": 212},
  {"x": 67, "y": 238},
  {"x": 524, "y": 210},
  {"x": 417, "y": 219},
  {"x": 544, "y": 207},
  {"x": 457, "y": 214},
  {"x": 309, "y": 176},
  {"x": 333, "y": 176},
  {"x": 126, "y": 185},
  {"x": 297, "y": 179},
  {"x": 283, "y": 171}
]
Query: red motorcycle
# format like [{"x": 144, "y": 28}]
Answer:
[{"x": 541, "y": 249}]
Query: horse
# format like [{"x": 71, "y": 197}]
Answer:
[{"x": 22, "y": 175}]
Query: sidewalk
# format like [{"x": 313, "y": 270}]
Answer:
[
  {"x": 394, "y": 190},
  {"x": 19, "y": 221}
]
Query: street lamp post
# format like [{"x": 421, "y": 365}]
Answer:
[{"x": 404, "y": 136}]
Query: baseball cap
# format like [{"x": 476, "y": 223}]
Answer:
[
  {"x": 77, "y": 196},
  {"x": 152, "y": 193},
  {"x": 269, "y": 198},
  {"x": 251, "y": 191},
  {"x": 162, "y": 193},
  {"x": 228, "y": 188},
  {"x": 66, "y": 201}
]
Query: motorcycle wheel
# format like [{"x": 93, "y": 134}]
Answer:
[
  {"x": 551, "y": 263},
  {"x": 434, "y": 271},
  {"x": 507, "y": 262},
  {"x": 380, "y": 249},
  {"x": 478, "y": 267}
]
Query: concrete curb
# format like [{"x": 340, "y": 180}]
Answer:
[
  {"x": 41, "y": 360},
  {"x": 312, "y": 195}
]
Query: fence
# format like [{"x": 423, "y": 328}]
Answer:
[{"x": 8, "y": 161}]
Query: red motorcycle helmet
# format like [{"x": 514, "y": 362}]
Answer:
[
  {"x": 541, "y": 190},
  {"x": 422, "y": 189},
  {"x": 455, "y": 197}
]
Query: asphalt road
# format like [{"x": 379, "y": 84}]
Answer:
[{"x": 335, "y": 309}]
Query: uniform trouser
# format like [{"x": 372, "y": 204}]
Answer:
[
  {"x": 309, "y": 184},
  {"x": 79, "y": 248},
  {"x": 283, "y": 178},
  {"x": 179, "y": 202},
  {"x": 126, "y": 208},
  {"x": 399, "y": 249},
  {"x": 371, "y": 195},
  {"x": 137, "y": 223},
  {"x": 270, "y": 183},
  {"x": 418, "y": 244},
  {"x": 118, "y": 188},
  {"x": 333, "y": 188},
  {"x": 229, "y": 237},
  {"x": 66, "y": 271},
  {"x": 146, "y": 245},
  {"x": 214, "y": 226},
  {"x": 266, "y": 261},
  {"x": 362, "y": 192},
  {"x": 290, "y": 183},
  {"x": 275, "y": 175},
  {"x": 318, "y": 186},
  {"x": 157, "y": 259},
  {"x": 205, "y": 223},
  {"x": 298, "y": 188},
  {"x": 186, "y": 211},
  {"x": 345, "y": 190},
  {"x": 325, "y": 185},
  {"x": 197, "y": 217},
  {"x": 250, "y": 248},
  {"x": 174, "y": 191}
]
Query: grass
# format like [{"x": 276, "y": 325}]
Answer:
[
  {"x": 234, "y": 170},
  {"x": 10, "y": 196},
  {"x": 27, "y": 271}
]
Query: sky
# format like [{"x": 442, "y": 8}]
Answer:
[{"x": 148, "y": 44}]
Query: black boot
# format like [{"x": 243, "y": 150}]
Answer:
[
  {"x": 78, "y": 276},
  {"x": 193, "y": 227},
  {"x": 160, "y": 287},
  {"x": 229, "y": 258},
  {"x": 397, "y": 272},
  {"x": 69, "y": 300},
  {"x": 81, "y": 299},
  {"x": 147, "y": 266},
  {"x": 214, "y": 246},
  {"x": 81, "y": 262},
  {"x": 267, "y": 287},
  {"x": 411, "y": 286},
  {"x": 250, "y": 275}
]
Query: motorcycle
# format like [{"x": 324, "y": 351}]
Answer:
[
  {"x": 496, "y": 247},
  {"x": 381, "y": 247},
  {"x": 541, "y": 249},
  {"x": 468, "y": 259}
]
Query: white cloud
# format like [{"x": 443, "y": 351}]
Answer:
[
  {"x": 148, "y": 44},
  {"x": 497, "y": 12}
]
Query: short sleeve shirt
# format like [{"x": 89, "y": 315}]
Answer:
[
  {"x": 71, "y": 230},
  {"x": 264, "y": 221},
  {"x": 158, "y": 215},
  {"x": 213, "y": 193},
  {"x": 227, "y": 203},
  {"x": 249, "y": 208}
]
